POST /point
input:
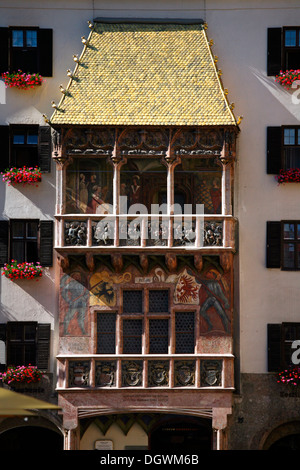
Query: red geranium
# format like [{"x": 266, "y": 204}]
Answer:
[
  {"x": 291, "y": 376},
  {"x": 23, "y": 175},
  {"x": 22, "y": 80},
  {"x": 15, "y": 270},
  {"x": 287, "y": 78},
  {"x": 292, "y": 175},
  {"x": 23, "y": 374}
]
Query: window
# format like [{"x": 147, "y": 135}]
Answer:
[
  {"x": 26, "y": 49},
  {"x": 145, "y": 326},
  {"x": 106, "y": 333},
  {"x": 24, "y": 144},
  {"x": 27, "y": 145},
  {"x": 283, "y": 49},
  {"x": 283, "y": 148},
  {"x": 26, "y": 240},
  {"x": 26, "y": 343},
  {"x": 184, "y": 332},
  {"x": 280, "y": 340},
  {"x": 291, "y": 245},
  {"x": 283, "y": 245}
]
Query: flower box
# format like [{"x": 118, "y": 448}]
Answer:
[
  {"x": 289, "y": 376},
  {"x": 22, "y": 80},
  {"x": 24, "y": 270},
  {"x": 291, "y": 175},
  {"x": 23, "y": 175},
  {"x": 287, "y": 78},
  {"x": 21, "y": 375}
]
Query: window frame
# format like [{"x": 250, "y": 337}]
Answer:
[
  {"x": 285, "y": 147},
  {"x": 42, "y": 61},
  {"x": 25, "y": 239},
  {"x": 45, "y": 241},
  {"x": 277, "y": 51},
  {"x": 279, "y": 344},
  {"x": 287, "y": 49},
  {"x": 146, "y": 316},
  {"x": 41, "y": 344},
  {"x": 295, "y": 241},
  {"x": 25, "y": 130}
]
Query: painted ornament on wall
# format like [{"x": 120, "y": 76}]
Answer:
[
  {"x": 210, "y": 292},
  {"x": 102, "y": 291},
  {"x": 187, "y": 289}
]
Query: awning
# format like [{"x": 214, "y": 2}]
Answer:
[{"x": 18, "y": 404}]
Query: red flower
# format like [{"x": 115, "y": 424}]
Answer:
[
  {"x": 22, "y": 80},
  {"x": 292, "y": 175}
]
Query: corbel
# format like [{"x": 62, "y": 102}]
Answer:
[
  {"x": 198, "y": 262},
  {"x": 63, "y": 261},
  {"x": 144, "y": 262},
  {"x": 90, "y": 261},
  {"x": 117, "y": 262},
  {"x": 226, "y": 261},
  {"x": 171, "y": 262}
]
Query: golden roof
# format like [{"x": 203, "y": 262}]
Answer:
[{"x": 145, "y": 74}]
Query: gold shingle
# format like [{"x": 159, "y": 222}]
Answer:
[{"x": 140, "y": 74}]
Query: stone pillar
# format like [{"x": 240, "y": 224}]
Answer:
[{"x": 219, "y": 425}]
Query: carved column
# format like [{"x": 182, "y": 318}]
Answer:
[
  {"x": 72, "y": 439},
  {"x": 227, "y": 159}
]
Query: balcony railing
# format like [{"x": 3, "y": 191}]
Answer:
[
  {"x": 144, "y": 231},
  {"x": 145, "y": 371}
]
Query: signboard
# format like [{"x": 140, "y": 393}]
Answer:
[{"x": 103, "y": 445}]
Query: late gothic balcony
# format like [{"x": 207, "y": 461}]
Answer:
[
  {"x": 201, "y": 371},
  {"x": 107, "y": 233}
]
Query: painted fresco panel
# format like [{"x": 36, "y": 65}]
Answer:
[{"x": 208, "y": 294}]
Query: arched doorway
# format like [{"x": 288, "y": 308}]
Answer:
[
  {"x": 291, "y": 442},
  {"x": 30, "y": 438},
  {"x": 284, "y": 437},
  {"x": 181, "y": 434}
]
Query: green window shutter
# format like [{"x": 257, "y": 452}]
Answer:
[
  {"x": 46, "y": 242},
  {"x": 4, "y": 139},
  {"x": 4, "y": 41},
  {"x": 273, "y": 245},
  {"x": 45, "y": 59},
  {"x": 274, "y": 59},
  {"x": 43, "y": 345},
  {"x": 274, "y": 347},
  {"x": 44, "y": 148},
  {"x": 274, "y": 155},
  {"x": 4, "y": 241}
]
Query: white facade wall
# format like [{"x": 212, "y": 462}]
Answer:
[{"x": 239, "y": 31}]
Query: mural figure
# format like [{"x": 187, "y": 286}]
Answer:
[
  {"x": 216, "y": 299},
  {"x": 215, "y": 194},
  {"x": 83, "y": 193},
  {"x": 95, "y": 200},
  {"x": 76, "y": 297},
  {"x": 135, "y": 190},
  {"x": 208, "y": 192}
]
